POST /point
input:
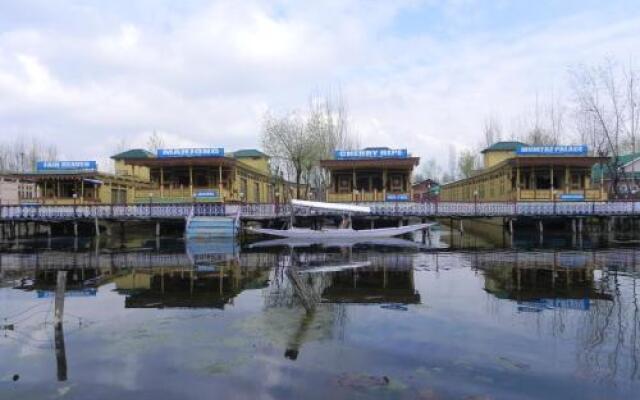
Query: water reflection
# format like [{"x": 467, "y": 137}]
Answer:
[
  {"x": 194, "y": 287},
  {"x": 387, "y": 320}
]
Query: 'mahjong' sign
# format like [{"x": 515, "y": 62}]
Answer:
[
  {"x": 66, "y": 166},
  {"x": 203, "y": 152},
  {"x": 370, "y": 153},
  {"x": 580, "y": 150}
]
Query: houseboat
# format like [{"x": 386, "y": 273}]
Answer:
[
  {"x": 77, "y": 182},
  {"x": 515, "y": 171},
  {"x": 370, "y": 174},
  {"x": 202, "y": 174}
]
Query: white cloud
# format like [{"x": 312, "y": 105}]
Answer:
[{"x": 205, "y": 73}]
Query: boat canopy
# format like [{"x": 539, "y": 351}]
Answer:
[{"x": 330, "y": 206}]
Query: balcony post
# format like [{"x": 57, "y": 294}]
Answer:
[
  {"x": 220, "y": 182},
  {"x": 384, "y": 184},
  {"x": 161, "y": 182},
  {"x": 353, "y": 186},
  {"x": 517, "y": 183},
  {"x": 191, "y": 182}
]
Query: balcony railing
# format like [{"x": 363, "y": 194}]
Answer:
[
  {"x": 546, "y": 194},
  {"x": 360, "y": 197},
  {"x": 269, "y": 210}
]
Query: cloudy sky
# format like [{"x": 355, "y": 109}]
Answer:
[{"x": 88, "y": 75}]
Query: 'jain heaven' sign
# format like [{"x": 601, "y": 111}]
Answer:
[
  {"x": 553, "y": 150},
  {"x": 210, "y": 152},
  {"x": 370, "y": 153},
  {"x": 66, "y": 166}
]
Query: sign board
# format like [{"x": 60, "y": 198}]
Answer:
[
  {"x": 550, "y": 304},
  {"x": 206, "y": 194},
  {"x": 66, "y": 166},
  {"x": 580, "y": 150},
  {"x": 370, "y": 153},
  {"x": 204, "y": 152},
  {"x": 397, "y": 197},
  {"x": 572, "y": 197},
  {"x": 86, "y": 292}
]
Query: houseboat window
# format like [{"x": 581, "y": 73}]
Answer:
[
  {"x": 344, "y": 184},
  {"x": 543, "y": 180},
  {"x": 363, "y": 184},
  {"x": 577, "y": 180},
  {"x": 396, "y": 183}
]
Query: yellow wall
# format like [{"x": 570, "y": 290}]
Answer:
[
  {"x": 492, "y": 158},
  {"x": 132, "y": 170},
  {"x": 259, "y": 163}
]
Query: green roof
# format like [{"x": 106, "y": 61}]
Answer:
[
  {"x": 132, "y": 154},
  {"x": 505, "y": 146},
  {"x": 247, "y": 153},
  {"x": 598, "y": 170}
]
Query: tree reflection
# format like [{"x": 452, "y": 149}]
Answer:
[{"x": 591, "y": 295}]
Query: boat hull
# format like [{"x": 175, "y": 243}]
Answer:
[{"x": 303, "y": 233}]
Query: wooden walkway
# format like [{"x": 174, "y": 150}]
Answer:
[{"x": 269, "y": 211}]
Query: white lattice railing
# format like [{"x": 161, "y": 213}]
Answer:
[{"x": 448, "y": 209}]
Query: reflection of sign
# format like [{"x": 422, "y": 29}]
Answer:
[
  {"x": 212, "y": 152},
  {"x": 66, "y": 166},
  {"x": 370, "y": 153},
  {"x": 206, "y": 194},
  {"x": 550, "y": 304},
  {"x": 572, "y": 197},
  {"x": 397, "y": 197},
  {"x": 87, "y": 292},
  {"x": 553, "y": 150}
]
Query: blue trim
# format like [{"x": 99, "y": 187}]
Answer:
[
  {"x": 572, "y": 197},
  {"x": 208, "y": 194},
  {"x": 370, "y": 153},
  {"x": 66, "y": 166},
  {"x": 397, "y": 197},
  {"x": 580, "y": 150},
  {"x": 191, "y": 152}
]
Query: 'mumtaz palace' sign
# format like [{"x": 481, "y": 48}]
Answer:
[
  {"x": 580, "y": 150},
  {"x": 370, "y": 153}
]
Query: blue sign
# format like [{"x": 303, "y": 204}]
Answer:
[
  {"x": 580, "y": 150},
  {"x": 66, "y": 166},
  {"x": 212, "y": 152},
  {"x": 397, "y": 197},
  {"x": 572, "y": 197},
  {"x": 206, "y": 194},
  {"x": 550, "y": 304},
  {"x": 86, "y": 292},
  {"x": 370, "y": 153}
]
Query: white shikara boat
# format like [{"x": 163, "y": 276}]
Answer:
[{"x": 344, "y": 232}]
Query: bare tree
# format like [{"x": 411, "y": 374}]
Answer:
[
  {"x": 155, "y": 142},
  {"x": 327, "y": 120},
  {"x": 467, "y": 163},
  {"x": 492, "y": 131},
  {"x": 297, "y": 141},
  {"x": 18, "y": 156},
  {"x": 429, "y": 169},
  {"x": 453, "y": 163},
  {"x": 290, "y": 145},
  {"x": 606, "y": 111}
]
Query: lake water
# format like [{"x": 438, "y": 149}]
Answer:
[{"x": 176, "y": 320}]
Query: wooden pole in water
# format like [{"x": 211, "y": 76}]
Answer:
[
  {"x": 61, "y": 358},
  {"x": 97, "y": 227},
  {"x": 61, "y": 283},
  {"x": 541, "y": 231}
]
